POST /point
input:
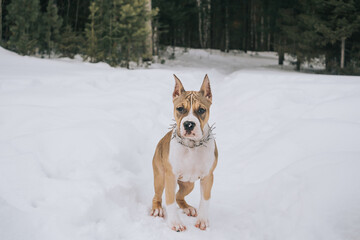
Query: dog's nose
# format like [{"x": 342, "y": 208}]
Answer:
[{"x": 189, "y": 126}]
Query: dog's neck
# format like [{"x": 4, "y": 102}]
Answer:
[{"x": 190, "y": 143}]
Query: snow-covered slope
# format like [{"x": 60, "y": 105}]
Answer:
[{"x": 77, "y": 139}]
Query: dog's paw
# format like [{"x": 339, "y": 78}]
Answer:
[
  {"x": 190, "y": 211},
  {"x": 178, "y": 227},
  {"x": 202, "y": 224},
  {"x": 157, "y": 212}
]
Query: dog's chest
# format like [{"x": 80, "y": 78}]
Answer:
[{"x": 191, "y": 164}]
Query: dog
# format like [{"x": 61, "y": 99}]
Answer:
[{"x": 185, "y": 154}]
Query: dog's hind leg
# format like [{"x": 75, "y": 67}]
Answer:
[{"x": 184, "y": 189}]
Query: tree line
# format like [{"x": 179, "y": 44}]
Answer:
[
  {"x": 113, "y": 31},
  {"x": 305, "y": 29},
  {"x": 118, "y": 31}
]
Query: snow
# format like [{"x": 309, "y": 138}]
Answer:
[{"x": 77, "y": 141}]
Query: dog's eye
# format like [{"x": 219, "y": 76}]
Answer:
[
  {"x": 180, "y": 109},
  {"x": 201, "y": 110}
]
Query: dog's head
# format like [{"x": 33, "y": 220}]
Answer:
[{"x": 192, "y": 109}]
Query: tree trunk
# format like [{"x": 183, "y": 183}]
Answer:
[
  {"x": 280, "y": 50},
  {"x": 199, "y": 22},
  {"x": 0, "y": 21},
  {"x": 77, "y": 14},
  {"x": 268, "y": 35},
  {"x": 174, "y": 41},
  {"x": 262, "y": 33},
  {"x": 245, "y": 33},
  {"x": 226, "y": 27},
  {"x": 298, "y": 64},
  {"x": 110, "y": 47},
  {"x": 128, "y": 55},
  {"x": 204, "y": 9},
  {"x": 281, "y": 57},
  {"x": 155, "y": 38},
  {"x": 92, "y": 43},
  {"x": 251, "y": 26},
  {"x": 342, "y": 52},
  {"x": 327, "y": 62},
  {"x": 67, "y": 12},
  {"x": 149, "y": 40},
  {"x": 255, "y": 30},
  {"x": 208, "y": 22}
]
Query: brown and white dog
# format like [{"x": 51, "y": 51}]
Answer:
[{"x": 185, "y": 154}]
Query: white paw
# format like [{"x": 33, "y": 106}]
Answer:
[
  {"x": 173, "y": 218},
  {"x": 178, "y": 227},
  {"x": 157, "y": 212},
  {"x": 202, "y": 224},
  {"x": 190, "y": 211}
]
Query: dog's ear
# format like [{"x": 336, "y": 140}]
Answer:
[
  {"x": 179, "y": 89},
  {"x": 205, "y": 88}
]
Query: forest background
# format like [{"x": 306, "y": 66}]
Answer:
[{"x": 122, "y": 31}]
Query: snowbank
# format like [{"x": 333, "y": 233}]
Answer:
[{"x": 77, "y": 141}]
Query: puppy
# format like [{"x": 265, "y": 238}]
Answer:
[{"x": 185, "y": 154}]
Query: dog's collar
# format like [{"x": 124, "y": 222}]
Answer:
[{"x": 192, "y": 143}]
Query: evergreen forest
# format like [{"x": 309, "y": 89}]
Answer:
[{"x": 120, "y": 31}]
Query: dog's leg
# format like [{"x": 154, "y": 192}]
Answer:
[
  {"x": 171, "y": 208},
  {"x": 159, "y": 182},
  {"x": 205, "y": 185},
  {"x": 157, "y": 210},
  {"x": 184, "y": 189}
]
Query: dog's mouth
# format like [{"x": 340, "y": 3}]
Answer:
[{"x": 189, "y": 134}]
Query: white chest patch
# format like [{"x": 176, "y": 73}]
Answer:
[{"x": 191, "y": 164}]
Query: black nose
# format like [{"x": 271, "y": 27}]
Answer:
[{"x": 189, "y": 126}]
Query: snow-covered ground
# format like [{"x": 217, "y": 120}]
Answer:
[{"x": 77, "y": 140}]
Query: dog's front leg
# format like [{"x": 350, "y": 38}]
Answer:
[
  {"x": 203, "y": 218},
  {"x": 171, "y": 208}
]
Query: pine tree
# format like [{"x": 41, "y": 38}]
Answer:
[
  {"x": 296, "y": 34},
  {"x": 99, "y": 31},
  {"x": 337, "y": 20},
  {"x": 52, "y": 24},
  {"x": 91, "y": 49},
  {"x": 70, "y": 42},
  {"x": 131, "y": 30},
  {"x": 108, "y": 19},
  {"x": 117, "y": 31},
  {"x": 23, "y": 20},
  {"x": 289, "y": 35}
]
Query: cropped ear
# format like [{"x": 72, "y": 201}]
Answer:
[
  {"x": 179, "y": 89},
  {"x": 205, "y": 88}
]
